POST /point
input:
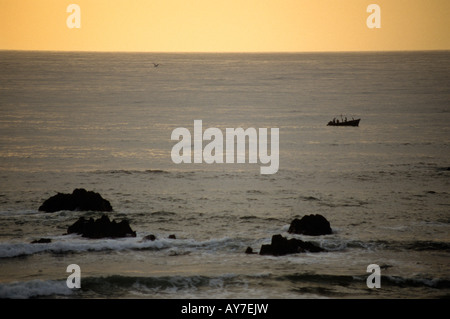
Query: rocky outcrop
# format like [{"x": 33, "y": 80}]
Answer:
[
  {"x": 101, "y": 228},
  {"x": 313, "y": 225},
  {"x": 80, "y": 199},
  {"x": 282, "y": 246}
]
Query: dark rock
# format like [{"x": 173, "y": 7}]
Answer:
[
  {"x": 266, "y": 250},
  {"x": 101, "y": 228},
  {"x": 172, "y": 237},
  {"x": 150, "y": 237},
  {"x": 42, "y": 241},
  {"x": 80, "y": 199},
  {"x": 283, "y": 246},
  {"x": 249, "y": 250},
  {"x": 313, "y": 225},
  {"x": 79, "y": 226}
]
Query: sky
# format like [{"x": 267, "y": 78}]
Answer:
[{"x": 225, "y": 25}]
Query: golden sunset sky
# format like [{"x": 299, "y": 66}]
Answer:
[{"x": 225, "y": 25}]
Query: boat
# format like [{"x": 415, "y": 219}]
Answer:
[{"x": 344, "y": 122}]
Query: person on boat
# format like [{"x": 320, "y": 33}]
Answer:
[{"x": 345, "y": 119}]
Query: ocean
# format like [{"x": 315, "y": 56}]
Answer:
[{"x": 103, "y": 122}]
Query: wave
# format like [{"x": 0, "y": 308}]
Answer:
[
  {"x": 309, "y": 198},
  {"x": 222, "y": 285},
  {"x": 167, "y": 285},
  {"x": 162, "y": 213},
  {"x": 34, "y": 288},
  {"x": 119, "y": 286},
  {"x": 338, "y": 244},
  {"x": 67, "y": 244},
  {"x": 22, "y": 249},
  {"x": 318, "y": 278},
  {"x": 129, "y": 172},
  {"x": 251, "y": 218},
  {"x": 437, "y": 283},
  {"x": 405, "y": 245},
  {"x": 76, "y": 244},
  {"x": 428, "y": 245},
  {"x": 346, "y": 280}
]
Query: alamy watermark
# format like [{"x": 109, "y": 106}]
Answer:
[
  {"x": 74, "y": 280},
  {"x": 374, "y": 19},
  {"x": 374, "y": 280},
  {"x": 220, "y": 150},
  {"x": 73, "y": 21}
]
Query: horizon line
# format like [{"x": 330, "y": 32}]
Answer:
[{"x": 225, "y": 52}]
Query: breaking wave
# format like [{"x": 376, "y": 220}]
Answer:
[
  {"x": 224, "y": 285},
  {"x": 79, "y": 245}
]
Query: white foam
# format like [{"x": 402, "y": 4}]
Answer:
[
  {"x": 34, "y": 288},
  {"x": 75, "y": 243}
]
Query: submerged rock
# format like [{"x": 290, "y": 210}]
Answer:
[
  {"x": 80, "y": 199},
  {"x": 101, "y": 228},
  {"x": 150, "y": 237},
  {"x": 282, "y": 246},
  {"x": 249, "y": 250},
  {"x": 42, "y": 241},
  {"x": 313, "y": 225}
]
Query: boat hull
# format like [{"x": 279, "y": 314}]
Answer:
[{"x": 347, "y": 123}]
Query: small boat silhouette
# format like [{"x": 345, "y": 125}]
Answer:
[{"x": 344, "y": 122}]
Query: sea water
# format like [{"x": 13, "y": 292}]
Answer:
[{"x": 103, "y": 122}]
